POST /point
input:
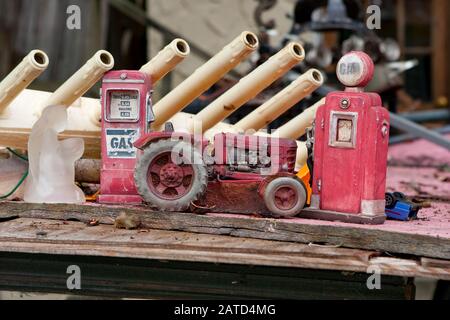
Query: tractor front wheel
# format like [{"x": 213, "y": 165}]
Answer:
[
  {"x": 285, "y": 197},
  {"x": 170, "y": 175}
]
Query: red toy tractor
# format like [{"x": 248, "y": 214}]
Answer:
[
  {"x": 177, "y": 171},
  {"x": 236, "y": 174}
]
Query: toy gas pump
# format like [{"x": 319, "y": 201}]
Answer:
[
  {"x": 350, "y": 151},
  {"x": 126, "y": 115}
]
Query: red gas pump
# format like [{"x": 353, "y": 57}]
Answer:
[
  {"x": 126, "y": 114},
  {"x": 351, "y": 137}
]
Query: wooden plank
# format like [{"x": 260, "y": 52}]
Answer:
[
  {"x": 74, "y": 238},
  {"x": 18, "y": 138},
  {"x": 395, "y": 237},
  {"x": 435, "y": 263},
  {"x": 409, "y": 268},
  {"x": 50, "y": 237},
  {"x": 153, "y": 279}
]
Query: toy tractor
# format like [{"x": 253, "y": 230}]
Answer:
[
  {"x": 174, "y": 171},
  {"x": 235, "y": 174}
]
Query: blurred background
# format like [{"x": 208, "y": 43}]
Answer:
[{"x": 410, "y": 49}]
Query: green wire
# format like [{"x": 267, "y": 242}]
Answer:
[
  {"x": 25, "y": 175},
  {"x": 17, "y": 154}
]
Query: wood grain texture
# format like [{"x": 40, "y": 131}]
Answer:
[
  {"x": 418, "y": 242},
  {"x": 18, "y": 138},
  {"x": 27, "y": 235}
]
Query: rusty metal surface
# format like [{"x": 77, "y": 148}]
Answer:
[{"x": 234, "y": 197}]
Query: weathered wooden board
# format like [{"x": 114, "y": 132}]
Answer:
[
  {"x": 163, "y": 279},
  {"x": 18, "y": 138},
  {"x": 26, "y": 235},
  {"x": 57, "y": 237},
  {"x": 423, "y": 238}
]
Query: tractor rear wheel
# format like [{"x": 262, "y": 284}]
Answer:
[
  {"x": 285, "y": 197},
  {"x": 170, "y": 175}
]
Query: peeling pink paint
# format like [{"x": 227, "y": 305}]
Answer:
[
  {"x": 434, "y": 221},
  {"x": 424, "y": 182}
]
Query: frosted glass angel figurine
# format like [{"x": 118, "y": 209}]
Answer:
[{"x": 51, "y": 176}]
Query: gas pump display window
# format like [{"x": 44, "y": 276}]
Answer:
[
  {"x": 123, "y": 105},
  {"x": 344, "y": 132},
  {"x": 343, "y": 128}
]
